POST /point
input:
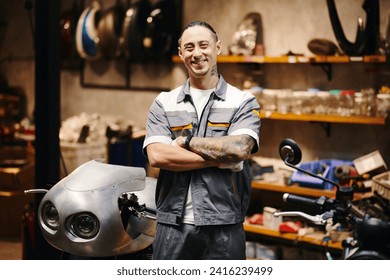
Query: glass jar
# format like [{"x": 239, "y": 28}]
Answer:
[
  {"x": 382, "y": 104},
  {"x": 370, "y": 102},
  {"x": 359, "y": 104},
  {"x": 256, "y": 92},
  {"x": 283, "y": 101},
  {"x": 321, "y": 103},
  {"x": 346, "y": 103},
  {"x": 301, "y": 102},
  {"x": 268, "y": 100},
  {"x": 334, "y": 97}
]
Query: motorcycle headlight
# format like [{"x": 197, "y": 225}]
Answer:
[
  {"x": 85, "y": 225},
  {"x": 50, "y": 216}
]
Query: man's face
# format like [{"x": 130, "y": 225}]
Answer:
[{"x": 199, "y": 50}]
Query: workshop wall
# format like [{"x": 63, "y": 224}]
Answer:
[{"x": 288, "y": 26}]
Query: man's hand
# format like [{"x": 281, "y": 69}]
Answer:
[{"x": 179, "y": 142}]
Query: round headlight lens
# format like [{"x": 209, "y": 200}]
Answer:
[
  {"x": 85, "y": 225},
  {"x": 50, "y": 216}
]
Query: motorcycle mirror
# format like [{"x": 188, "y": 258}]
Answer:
[
  {"x": 290, "y": 152},
  {"x": 35, "y": 191}
]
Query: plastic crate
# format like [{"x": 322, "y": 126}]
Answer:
[
  {"x": 381, "y": 184},
  {"x": 324, "y": 168}
]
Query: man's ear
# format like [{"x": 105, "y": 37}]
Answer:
[
  {"x": 179, "y": 53},
  {"x": 219, "y": 47}
]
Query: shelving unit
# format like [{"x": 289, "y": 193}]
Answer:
[
  {"x": 297, "y": 190},
  {"x": 316, "y": 239},
  {"x": 324, "y": 61},
  {"x": 328, "y": 60},
  {"x": 295, "y": 59},
  {"x": 293, "y": 189},
  {"x": 323, "y": 118}
]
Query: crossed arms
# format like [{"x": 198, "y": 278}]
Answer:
[{"x": 203, "y": 152}]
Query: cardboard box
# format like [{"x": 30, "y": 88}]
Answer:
[{"x": 372, "y": 163}]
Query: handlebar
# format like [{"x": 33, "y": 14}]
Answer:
[
  {"x": 322, "y": 203},
  {"x": 333, "y": 210},
  {"x": 317, "y": 219},
  {"x": 291, "y": 198},
  {"x": 371, "y": 235}
]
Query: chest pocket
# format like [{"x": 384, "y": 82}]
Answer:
[
  {"x": 181, "y": 125},
  {"x": 218, "y": 124}
]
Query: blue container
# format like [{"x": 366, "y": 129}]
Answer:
[{"x": 324, "y": 168}]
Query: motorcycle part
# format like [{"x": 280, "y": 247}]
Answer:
[
  {"x": 290, "y": 151},
  {"x": 81, "y": 214},
  {"x": 160, "y": 31},
  {"x": 323, "y": 47},
  {"x": 248, "y": 39},
  {"x": 133, "y": 29},
  {"x": 68, "y": 25},
  {"x": 109, "y": 30},
  {"x": 87, "y": 40},
  {"x": 367, "y": 37}
]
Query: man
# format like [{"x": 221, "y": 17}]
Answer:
[{"x": 200, "y": 135}]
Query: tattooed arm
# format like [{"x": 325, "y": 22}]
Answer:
[
  {"x": 233, "y": 148},
  {"x": 176, "y": 158},
  {"x": 205, "y": 152}
]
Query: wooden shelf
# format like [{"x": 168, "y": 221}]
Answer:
[
  {"x": 298, "y": 190},
  {"x": 293, "y": 189},
  {"x": 316, "y": 238},
  {"x": 308, "y": 59},
  {"x": 313, "y": 238},
  {"x": 295, "y": 59},
  {"x": 323, "y": 118}
]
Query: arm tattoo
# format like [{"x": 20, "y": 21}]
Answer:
[{"x": 224, "y": 149}]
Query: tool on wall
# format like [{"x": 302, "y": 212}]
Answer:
[
  {"x": 248, "y": 37},
  {"x": 367, "y": 36}
]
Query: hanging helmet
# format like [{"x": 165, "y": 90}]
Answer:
[
  {"x": 87, "y": 40},
  {"x": 133, "y": 30},
  {"x": 109, "y": 31},
  {"x": 160, "y": 32}
]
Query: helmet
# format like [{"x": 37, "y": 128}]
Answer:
[{"x": 87, "y": 40}]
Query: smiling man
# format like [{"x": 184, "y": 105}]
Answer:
[{"x": 201, "y": 135}]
